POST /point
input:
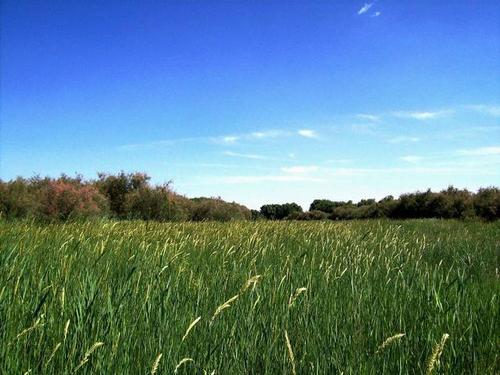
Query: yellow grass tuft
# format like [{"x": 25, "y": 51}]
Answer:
[
  {"x": 87, "y": 355},
  {"x": 224, "y": 306},
  {"x": 290, "y": 352},
  {"x": 66, "y": 329},
  {"x": 191, "y": 327},
  {"x": 250, "y": 282},
  {"x": 436, "y": 354},
  {"x": 297, "y": 293},
  {"x": 29, "y": 329},
  {"x": 389, "y": 341},
  {"x": 183, "y": 361},
  {"x": 156, "y": 364}
]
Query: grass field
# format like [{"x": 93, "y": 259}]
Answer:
[{"x": 250, "y": 297}]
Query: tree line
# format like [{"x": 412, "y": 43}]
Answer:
[
  {"x": 451, "y": 203},
  {"x": 132, "y": 196},
  {"x": 120, "y": 196}
]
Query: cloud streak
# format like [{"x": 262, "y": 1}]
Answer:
[
  {"x": 244, "y": 156},
  {"x": 328, "y": 175},
  {"x": 307, "y": 133},
  {"x": 403, "y": 139},
  {"x": 491, "y": 110},
  {"x": 263, "y": 178},
  {"x": 481, "y": 151},
  {"x": 365, "y": 8},
  {"x": 222, "y": 140},
  {"x": 370, "y": 117},
  {"x": 422, "y": 115},
  {"x": 411, "y": 159},
  {"x": 484, "y": 109}
]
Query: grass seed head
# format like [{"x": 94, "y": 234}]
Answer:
[
  {"x": 436, "y": 354},
  {"x": 193, "y": 323},
  {"x": 250, "y": 282},
  {"x": 290, "y": 353},
  {"x": 297, "y": 293},
  {"x": 182, "y": 362},
  {"x": 66, "y": 329},
  {"x": 224, "y": 306},
  {"x": 389, "y": 341},
  {"x": 87, "y": 355},
  {"x": 156, "y": 364}
]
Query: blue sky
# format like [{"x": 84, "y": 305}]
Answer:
[{"x": 255, "y": 101}]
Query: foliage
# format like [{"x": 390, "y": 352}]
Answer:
[
  {"x": 487, "y": 203},
  {"x": 116, "y": 188},
  {"x": 279, "y": 211},
  {"x": 309, "y": 215},
  {"x": 451, "y": 203},
  {"x": 122, "y": 196},
  {"x": 17, "y": 199},
  {"x": 52, "y": 199},
  {"x": 62, "y": 200},
  {"x": 147, "y": 203},
  {"x": 132, "y": 196},
  {"x": 219, "y": 210},
  {"x": 256, "y": 215},
  {"x": 326, "y": 205},
  {"x": 371, "y": 297}
]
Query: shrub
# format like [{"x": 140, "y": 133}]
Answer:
[
  {"x": 116, "y": 188},
  {"x": 307, "y": 216},
  {"x": 325, "y": 205},
  {"x": 62, "y": 200},
  {"x": 487, "y": 203},
  {"x": 256, "y": 215},
  {"x": 148, "y": 204},
  {"x": 216, "y": 209},
  {"x": 156, "y": 203},
  {"x": 346, "y": 212},
  {"x": 279, "y": 211},
  {"x": 386, "y": 206},
  {"x": 17, "y": 199}
]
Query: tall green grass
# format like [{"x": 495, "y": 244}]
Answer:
[{"x": 370, "y": 297}]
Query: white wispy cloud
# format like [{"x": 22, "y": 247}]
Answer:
[
  {"x": 481, "y": 151},
  {"x": 485, "y": 109},
  {"x": 245, "y": 156},
  {"x": 391, "y": 171},
  {"x": 366, "y": 116},
  {"x": 254, "y": 136},
  {"x": 268, "y": 134},
  {"x": 376, "y": 14},
  {"x": 300, "y": 169},
  {"x": 160, "y": 143},
  {"x": 403, "y": 139},
  {"x": 322, "y": 175},
  {"x": 229, "y": 139},
  {"x": 411, "y": 158},
  {"x": 365, "y": 8},
  {"x": 262, "y": 178},
  {"x": 491, "y": 110},
  {"x": 307, "y": 133},
  {"x": 422, "y": 115}
]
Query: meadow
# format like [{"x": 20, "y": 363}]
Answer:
[{"x": 359, "y": 297}]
